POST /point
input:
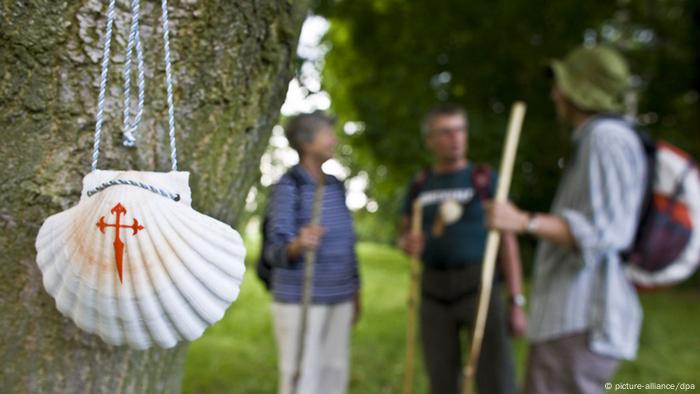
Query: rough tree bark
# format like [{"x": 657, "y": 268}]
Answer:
[{"x": 232, "y": 63}]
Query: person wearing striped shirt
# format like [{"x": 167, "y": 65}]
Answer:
[
  {"x": 585, "y": 315},
  {"x": 335, "y": 299}
]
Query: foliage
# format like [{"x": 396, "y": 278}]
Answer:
[{"x": 391, "y": 60}]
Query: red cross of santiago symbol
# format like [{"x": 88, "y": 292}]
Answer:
[{"x": 118, "y": 244}]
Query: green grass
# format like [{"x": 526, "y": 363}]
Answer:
[{"x": 237, "y": 355}]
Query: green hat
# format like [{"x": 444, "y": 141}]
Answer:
[{"x": 593, "y": 78}]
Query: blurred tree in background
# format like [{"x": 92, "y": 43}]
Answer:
[{"x": 391, "y": 60}]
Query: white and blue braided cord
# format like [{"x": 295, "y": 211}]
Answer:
[
  {"x": 99, "y": 117},
  {"x": 169, "y": 84},
  {"x": 128, "y": 182},
  {"x": 129, "y": 129},
  {"x": 134, "y": 40}
]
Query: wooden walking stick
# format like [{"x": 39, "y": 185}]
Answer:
[
  {"x": 309, "y": 262},
  {"x": 416, "y": 222},
  {"x": 506, "y": 171}
]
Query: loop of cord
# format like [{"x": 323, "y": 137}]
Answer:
[
  {"x": 134, "y": 41},
  {"x": 118, "y": 182}
]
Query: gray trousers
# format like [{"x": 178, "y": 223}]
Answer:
[
  {"x": 326, "y": 359},
  {"x": 566, "y": 365},
  {"x": 448, "y": 307}
]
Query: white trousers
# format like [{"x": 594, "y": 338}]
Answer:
[{"x": 326, "y": 358}]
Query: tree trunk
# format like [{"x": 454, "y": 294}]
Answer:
[{"x": 232, "y": 62}]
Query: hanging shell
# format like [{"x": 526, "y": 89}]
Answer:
[
  {"x": 450, "y": 211},
  {"x": 166, "y": 273}
]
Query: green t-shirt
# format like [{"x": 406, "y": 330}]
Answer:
[{"x": 461, "y": 242}]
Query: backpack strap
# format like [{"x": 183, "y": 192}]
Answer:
[
  {"x": 296, "y": 177},
  {"x": 297, "y": 180},
  {"x": 482, "y": 177},
  {"x": 649, "y": 147},
  {"x": 264, "y": 267},
  {"x": 418, "y": 183}
]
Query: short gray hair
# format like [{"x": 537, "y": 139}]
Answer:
[
  {"x": 302, "y": 128},
  {"x": 442, "y": 109}
]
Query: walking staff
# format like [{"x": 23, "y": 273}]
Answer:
[
  {"x": 492, "y": 243},
  {"x": 416, "y": 224},
  {"x": 309, "y": 261}
]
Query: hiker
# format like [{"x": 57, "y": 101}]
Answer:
[
  {"x": 335, "y": 287},
  {"x": 585, "y": 316},
  {"x": 451, "y": 248}
]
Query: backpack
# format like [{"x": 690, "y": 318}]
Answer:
[
  {"x": 666, "y": 248},
  {"x": 264, "y": 267}
]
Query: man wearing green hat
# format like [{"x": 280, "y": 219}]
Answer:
[{"x": 585, "y": 316}]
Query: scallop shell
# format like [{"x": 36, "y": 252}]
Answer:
[
  {"x": 450, "y": 211},
  {"x": 180, "y": 270}
]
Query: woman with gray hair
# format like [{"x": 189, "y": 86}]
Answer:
[{"x": 335, "y": 285}]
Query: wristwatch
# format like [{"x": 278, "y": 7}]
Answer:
[
  {"x": 518, "y": 300},
  {"x": 532, "y": 224}
]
